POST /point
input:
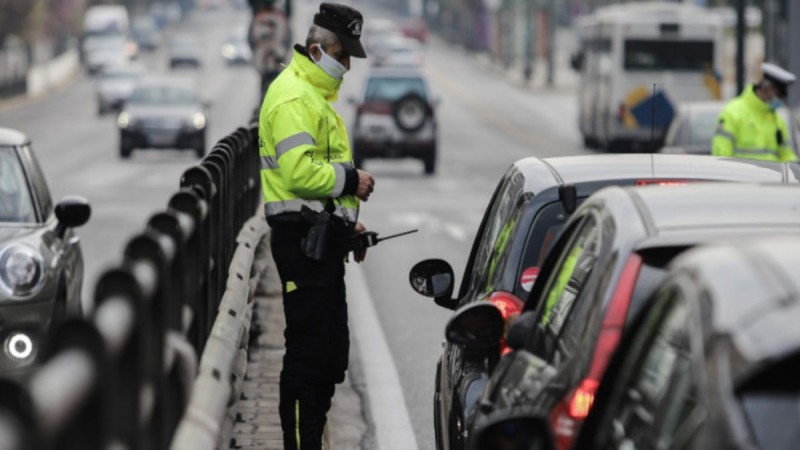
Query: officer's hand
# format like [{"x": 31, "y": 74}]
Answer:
[
  {"x": 359, "y": 255},
  {"x": 366, "y": 184}
]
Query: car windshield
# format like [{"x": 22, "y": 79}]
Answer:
[
  {"x": 170, "y": 95},
  {"x": 15, "y": 199},
  {"x": 106, "y": 43},
  {"x": 392, "y": 88},
  {"x": 120, "y": 75},
  {"x": 658, "y": 55}
]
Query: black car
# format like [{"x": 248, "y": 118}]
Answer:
[
  {"x": 530, "y": 205},
  {"x": 41, "y": 264},
  {"x": 395, "y": 118},
  {"x": 611, "y": 256},
  {"x": 163, "y": 113},
  {"x": 713, "y": 358}
]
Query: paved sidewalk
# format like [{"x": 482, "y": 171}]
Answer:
[{"x": 258, "y": 424}]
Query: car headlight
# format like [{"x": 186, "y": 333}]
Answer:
[
  {"x": 199, "y": 120},
  {"x": 228, "y": 51},
  {"x": 21, "y": 270},
  {"x": 123, "y": 120}
]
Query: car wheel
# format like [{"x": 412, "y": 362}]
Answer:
[
  {"x": 200, "y": 151},
  {"x": 410, "y": 112},
  {"x": 100, "y": 110},
  {"x": 125, "y": 151},
  {"x": 430, "y": 163}
]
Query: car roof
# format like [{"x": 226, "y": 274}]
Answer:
[
  {"x": 752, "y": 295},
  {"x": 714, "y": 206},
  {"x": 10, "y": 137},
  {"x": 544, "y": 173}
]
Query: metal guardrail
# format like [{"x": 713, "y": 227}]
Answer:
[{"x": 124, "y": 377}]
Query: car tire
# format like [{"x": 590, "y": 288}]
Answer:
[
  {"x": 430, "y": 163},
  {"x": 410, "y": 112},
  {"x": 125, "y": 151},
  {"x": 200, "y": 151}
]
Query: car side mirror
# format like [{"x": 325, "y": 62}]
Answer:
[
  {"x": 352, "y": 101},
  {"x": 519, "y": 330},
  {"x": 71, "y": 212},
  {"x": 432, "y": 278},
  {"x": 478, "y": 325}
]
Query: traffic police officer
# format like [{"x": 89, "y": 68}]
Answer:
[
  {"x": 749, "y": 127},
  {"x": 307, "y": 170}
]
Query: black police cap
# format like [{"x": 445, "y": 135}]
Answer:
[{"x": 346, "y": 23}]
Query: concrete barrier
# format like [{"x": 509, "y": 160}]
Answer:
[{"x": 45, "y": 77}]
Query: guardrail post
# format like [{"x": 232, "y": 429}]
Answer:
[
  {"x": 200, "y": 179},
  {"x": 18, "y": 427},
  {"x": 127, "y": 376},
  {"x": 189, "y": 202},
  {"x": 158, "y": 250},
  {"x": 69, "y": 392}
]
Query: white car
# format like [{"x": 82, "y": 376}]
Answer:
[{"x": 114, "y": 86}]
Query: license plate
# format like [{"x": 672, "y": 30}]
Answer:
[{"x": 162, "y": 138}]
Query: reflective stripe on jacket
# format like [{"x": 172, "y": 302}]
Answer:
[
  {"x": 747, "y": 128},
  {"x": 303, "y": 143}
]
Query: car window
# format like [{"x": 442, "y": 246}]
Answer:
[
  {"x": 500, "y": 221},
  {"x": 659, "y": 403},
  {"x": 390, "y": 89},
  {"x": 40, "y": 190},
  {"x": 565, "y": 283},
  {"x": 651, "y": 273},
  {"x": 16, "y": 204},
  {"x": 547, "y": 226}
]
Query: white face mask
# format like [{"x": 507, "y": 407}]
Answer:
[{"x": 330, "y": 65}]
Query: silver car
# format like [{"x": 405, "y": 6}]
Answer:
[
  {"x": 395, "y": 117},
  {"x": 114, "y": 86}
]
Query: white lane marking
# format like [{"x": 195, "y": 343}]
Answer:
[{"x": 386, "y": 403}]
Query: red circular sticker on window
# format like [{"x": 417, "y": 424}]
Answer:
[{"x": 528, "y": 277}]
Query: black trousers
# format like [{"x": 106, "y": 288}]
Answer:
[{"x": 317, "y": 336}]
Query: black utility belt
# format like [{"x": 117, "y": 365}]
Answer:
[{"x": 326, "y": 233}]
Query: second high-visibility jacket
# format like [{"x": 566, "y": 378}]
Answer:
[
  {"x": 303, "y": 144},
  {"x": 748, "y": 128}
]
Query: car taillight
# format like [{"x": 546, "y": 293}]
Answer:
[
  {"x": 662, "y": 182},
  {"x": 375, "y": 108},
  {"x": 510, "y": 306},
  {"x": 568, "y": 415}
]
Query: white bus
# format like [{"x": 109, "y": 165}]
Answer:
[{"x": 637, "y": 62}]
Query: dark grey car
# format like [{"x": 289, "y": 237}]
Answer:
[
  {"x": 163, "y": 113},
  {"x": 41, "y": 264},
  {"x": 713, "y": 359}
]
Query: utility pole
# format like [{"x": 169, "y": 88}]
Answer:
[
  {"x": 794, "y": 50},
  {"x": 740, "y": 32}
]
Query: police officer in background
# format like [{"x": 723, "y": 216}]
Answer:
[
  {"x": 749, "y": 127},
  {"x": 307, "y": 174}
]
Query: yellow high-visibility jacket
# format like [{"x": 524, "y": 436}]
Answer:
[
  {"x": 748, "y": 128},
  {"x": 303, "y": 144}
]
